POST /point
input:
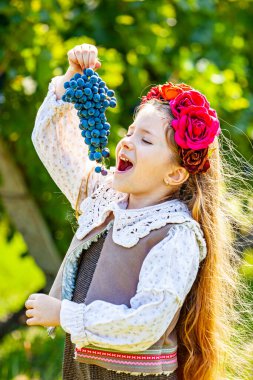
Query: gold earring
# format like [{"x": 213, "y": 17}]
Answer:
[{"x": 166, "y": 182}]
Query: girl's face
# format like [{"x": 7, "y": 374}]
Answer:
[{"x": 146, "y": 146}]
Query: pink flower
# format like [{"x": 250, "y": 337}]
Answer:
[
  {"x": 186, "y": 99},
  {"x": 195, "y": 128}
]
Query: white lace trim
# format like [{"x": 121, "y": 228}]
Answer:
[{"x": 93, "y": 208}]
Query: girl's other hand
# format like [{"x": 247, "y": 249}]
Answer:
[
  {"x": 83, "y": 56},
  {"x": 43, "y": 310}
]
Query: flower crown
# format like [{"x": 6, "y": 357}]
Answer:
[{"x": 195, "y": 123}]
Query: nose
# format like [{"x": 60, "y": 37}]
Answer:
[{"x": 126, "y": 143}]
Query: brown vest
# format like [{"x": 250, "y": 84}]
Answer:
[{"x": 117, "y": 273}]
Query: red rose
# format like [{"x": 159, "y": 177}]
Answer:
[
  {"x": 213, "y": 113},
  {"x": 153, "y": 93},
  {"x": 195, "y": 161},
  {"x": 186, "y": 99},
  {"x": 195, "y": 128}
]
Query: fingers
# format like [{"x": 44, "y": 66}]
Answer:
[
  {"x": 89, "y": 55},
  {"x": 33, "y": 317},
  {"x": 79, "y": 56},
  {"x": 29, "y": 304},
  {"x": 85, "y": 53},
  {"x": 29, "y": 313},
  {"x": 92, "y": 56},
  {"x": 33, "y": 296},
  {"x": 83, "y": 56},
  {"x": 31, "y": 321},
  {"x": 73, "y": 62},
  {"x": 98, "y": 64}
]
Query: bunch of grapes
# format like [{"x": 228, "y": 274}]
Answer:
[{"x": 91, "y": 98}]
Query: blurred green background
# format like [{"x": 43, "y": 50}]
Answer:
[{"x": 204, "y": 43}]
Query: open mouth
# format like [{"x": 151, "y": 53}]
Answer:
[{"x": 124, "y": 166}]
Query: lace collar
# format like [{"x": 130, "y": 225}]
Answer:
[{"x": 129, "y": 225}]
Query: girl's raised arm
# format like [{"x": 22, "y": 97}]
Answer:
[
  {"x": 57, "y": 138},
  {"x": 59, "y": 144}
]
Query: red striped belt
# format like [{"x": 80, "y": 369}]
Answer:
[{"x": 153, "y": 361}]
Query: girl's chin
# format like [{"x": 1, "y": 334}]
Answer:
[{"x": 121, "y": 183}]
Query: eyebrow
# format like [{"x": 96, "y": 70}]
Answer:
[{"x": 142, "y": 129}]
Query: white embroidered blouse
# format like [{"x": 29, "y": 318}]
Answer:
[{"x": 168, "y": 271}]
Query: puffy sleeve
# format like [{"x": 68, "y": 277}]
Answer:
[
  {"x": 166, "y": 276},
  {"x": 57, "y": 139}
]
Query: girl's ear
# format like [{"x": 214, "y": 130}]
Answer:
[{"x": 177, "y": 177}]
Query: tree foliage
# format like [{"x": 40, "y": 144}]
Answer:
[{"x": 206, "y": 44}]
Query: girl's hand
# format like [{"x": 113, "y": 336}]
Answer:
[
  {"x": 83, "y": 56},
  {"x": 80, "y": 57},
  {"x": 43, "y": 310}
]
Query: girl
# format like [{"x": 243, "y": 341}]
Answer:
[{"x": 142, "y": 289}]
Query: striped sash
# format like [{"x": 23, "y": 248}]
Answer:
[{"x": 161, "y": 360}]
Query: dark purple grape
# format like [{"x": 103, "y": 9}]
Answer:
[{"x": 104, "y": 172}]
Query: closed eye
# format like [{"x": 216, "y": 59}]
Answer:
[{"x": 142, "y": 140}]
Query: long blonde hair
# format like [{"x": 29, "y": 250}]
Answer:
[{"x": 212, "y": 337}]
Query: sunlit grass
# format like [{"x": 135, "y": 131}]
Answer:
[
  {"x": 29, "y": 354},
  {"x": 19, "y": 275},
  {"x": 25, "y": 353}
]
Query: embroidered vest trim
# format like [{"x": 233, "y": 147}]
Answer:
[{"x": 161, "y": 360}]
